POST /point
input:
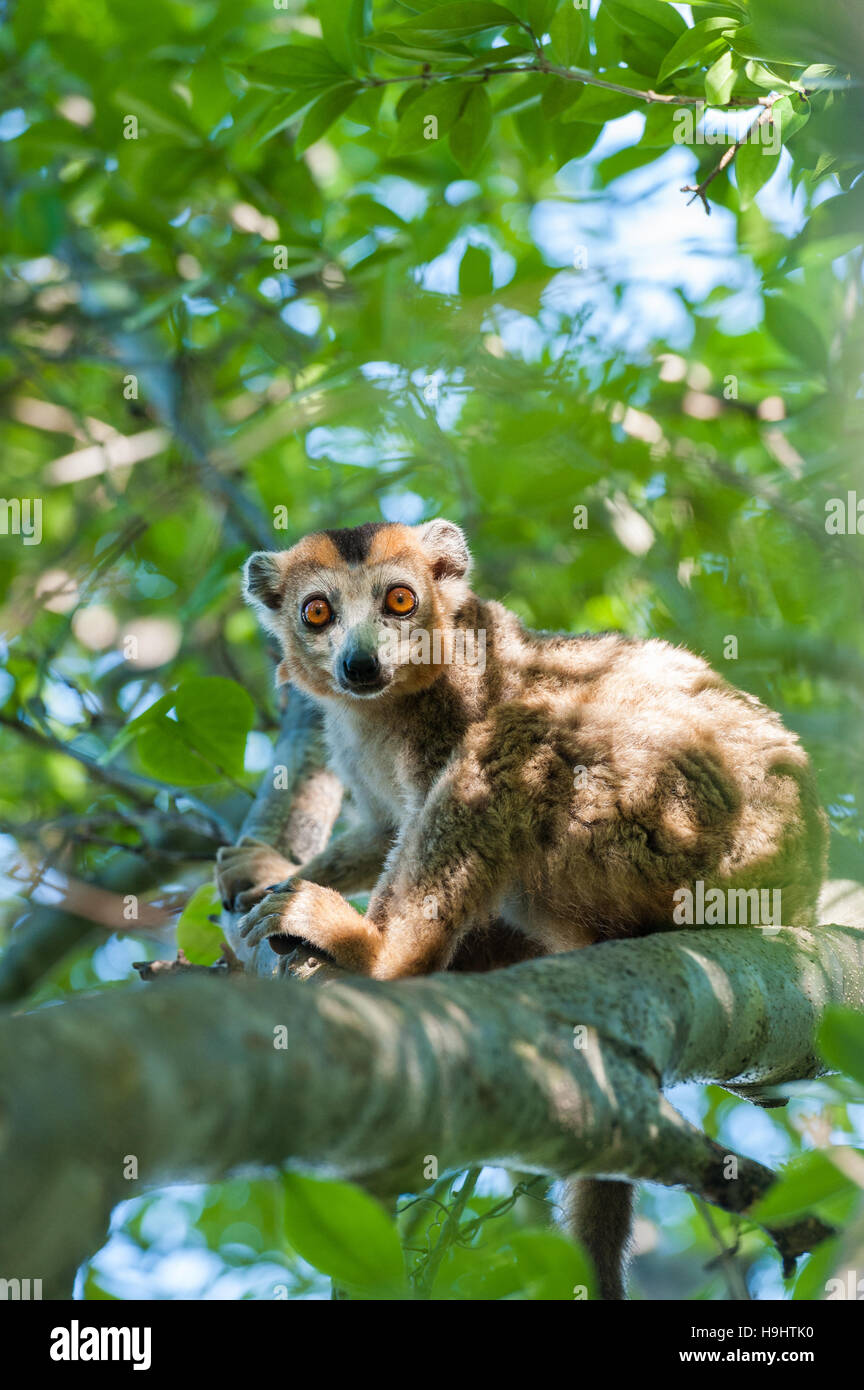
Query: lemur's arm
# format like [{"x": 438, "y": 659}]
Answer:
[
  {"x": 351, "y": 863},
  {"x": 445, "y": 870}
]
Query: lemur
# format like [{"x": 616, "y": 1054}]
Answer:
[{"x": 520, "y": 793}]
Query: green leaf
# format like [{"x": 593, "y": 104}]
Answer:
[
  {"x": 198, "y": 937},
  {"x": 808, "y": 1181},
  {"x": 419, "y": 48},
  {"x": 536, "y": 13},
  {"x": 37, "y": 222},
  {"x": 343, "y": 24},
  {"x": 280, "y": 113},
  {"x": 703, "y": 41},
  {"x": 750, "y": 44},
  {"x": 469, "y": 135},
  {"x": 375, "y": 214},
  {"x": 623, "y": 162},
  {"x": 366, "y": 108},
  {"x": 601, "y": 105},
  {"x": 811, "y": 1285},
  {"x": 650, "y": 18},
  {"x": 559, "y": 95},
  {"x": 551, "y": 1266},
  {"x": 754, "y": 165},
  {"x": 207, "y": 739},
  {"x": 344, "y": 1233},
  {"x": 158, "y": 109},
  {"x": 529, "y": 1264},
  {"x": 766, "y": 78},
  {"x": 218, "y": 713},
  {"x": 524, "y": 92},
  {"x": 211, "y": 96},
  {"x": 789, "y": 115},
  {"x": 429, "y": 117},
  {"x": 475, "y": 272},
  {"x": 294, "y": 65},
  {"x": 796, "y": 331},
  {"x": 319, "y": 118},
  {"x": 165, "y": 753},
  {"x": 798, "y": 32},
  {"x": 568, "y": 33},
  {"x": 720, "y": 79},
  {"x": 837, "y": 225},
  {"x": 133, "y": 728},
  {"x": 841, "y": 1041},
  {"x": 574, "y": 140},
  {"x": 718, "y": 7},
  {"x": 534, "y": 131},
  {"x": 461, "y": 20}
]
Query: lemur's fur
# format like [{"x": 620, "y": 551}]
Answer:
[{"x": 556, "y": 798}]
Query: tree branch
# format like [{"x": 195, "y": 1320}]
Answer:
[
  {"x": 367, "y": 1079},
  {"x": 540, "y": 64}
]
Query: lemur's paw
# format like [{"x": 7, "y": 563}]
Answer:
[
  {"x": 304, "y": 914},
  {"x": 246, "y": 872}
]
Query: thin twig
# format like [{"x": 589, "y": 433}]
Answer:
[
  {"x": 725, "y": 1259},
  {"x": 698, "y": 190},
  {"x": 449, "y": 1232},
  {"x": 583, "y": 75},
  {"x": 131, "y": 784}
]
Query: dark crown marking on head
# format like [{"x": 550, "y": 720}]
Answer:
[{"x": 354, "y": 542}]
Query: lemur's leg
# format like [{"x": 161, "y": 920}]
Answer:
[
  {"x": 246, "y": 872},
  {"x": 444, "y": 872},
  {"x": 492, "y": 946},
  {"x": 600, "y": 1216}
]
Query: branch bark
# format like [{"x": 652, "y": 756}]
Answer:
[{"x": 198, "y": 1077}]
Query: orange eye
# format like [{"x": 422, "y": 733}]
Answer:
[
  {"x": 401, "y": 601},
  {"x": 316, "y": 612}
]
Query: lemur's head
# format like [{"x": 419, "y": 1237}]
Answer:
[{"x": 350, "y": 607}]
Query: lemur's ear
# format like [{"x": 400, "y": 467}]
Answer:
[
  {"x": 264, "y": 579},
  {"x": 446, "y": 548}
]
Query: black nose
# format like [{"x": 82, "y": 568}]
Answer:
[{"x": 361, "y": 668}]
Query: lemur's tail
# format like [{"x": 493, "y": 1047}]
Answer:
[{"x": 600, "y": 1216}]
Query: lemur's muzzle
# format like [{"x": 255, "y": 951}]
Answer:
[
  {"x": 361, "y": 668},
  {"x": 360, "y": 672}
]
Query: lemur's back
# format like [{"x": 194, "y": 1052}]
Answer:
[{"x": 675, "y": 776}]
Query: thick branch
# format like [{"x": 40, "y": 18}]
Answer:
[{"x": 366, "y": 1079}]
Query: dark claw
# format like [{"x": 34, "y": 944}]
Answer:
[{"x": 283, "y": 946}]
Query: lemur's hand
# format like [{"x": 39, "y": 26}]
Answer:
[
  {"x": 246, "y": 872},
  {"x": 298, "y": 913}
]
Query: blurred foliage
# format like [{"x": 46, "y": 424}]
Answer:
[{"x": 249, "y": 287}]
